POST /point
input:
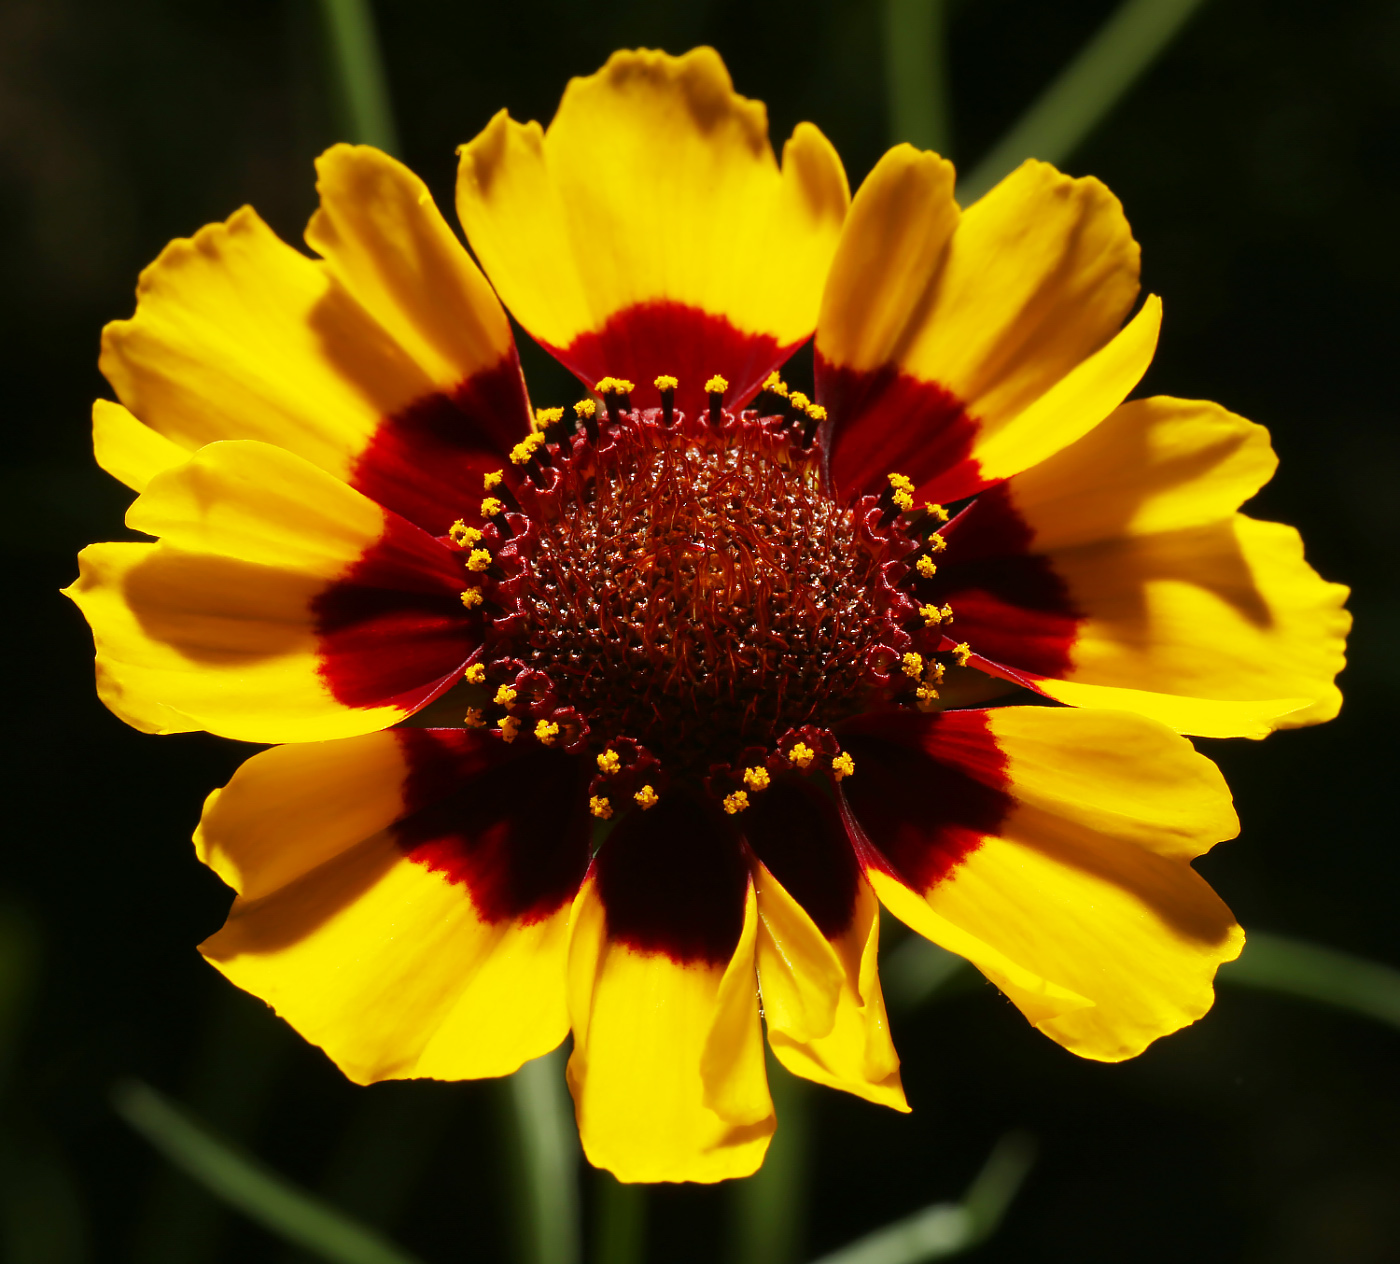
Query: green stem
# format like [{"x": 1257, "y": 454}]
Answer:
[
  {"x": 549, "y": 1161},
  {"x": 361, "y": 86},
  {"x": 769, "y": 1207},
  {"x": 260, "y": 1193},
  {"x": 1085, "y": 91},
  {"x": 620, "y": 1228},
  {"x": 916, "y": 75},
  {"x": 1276, "y": 963}
]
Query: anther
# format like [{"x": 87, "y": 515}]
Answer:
[
  {"x": 936, "y": 511},
  {"x": 462, "y": 535},
  {"x": 505, "y": 697},
  {"x": 925, "y": 566},
  {"x": 510, "y": 728},
  {"x": 715, "y": 389},
  {"x": 666, "y": 384},
  {"x": 546, "y": 732},
  {"x": 475, "y": 674},
  {"x": 757, "y": 778},
  {"x": 609, "y": 762},
  {"x": 491, "y": 506},
  {"x": 843, "y": 766},
  {"x": 736, "y": 802},
  {"x": 587, "y": 412},
  {"x": 962, "y": 653},
  {"x": 479, "y": 560},
  {"x": 600, "y": 807},
  {"x": 646, "y": 798},
  {"x": 801, "y": 755},
  {"x": 616, "y": 393},
  {"x": 913, "y": 665},
  {"x": 936, "y": 543},
  {"x": 816, "y": 414},
  {"x": 492, "y": 480},
  {"x": 926, "y": 696},
  {"x": 474, "y": 719},
  {"x": 934, "y": 615},
  {"x": 472, "y": 598}
]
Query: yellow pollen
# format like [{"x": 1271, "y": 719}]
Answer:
[
  {"x": 462, "y": 535},
  {"x": 799, "y": 401},
  {"x": 947, "y": 613},
  {"x": 493, "y": 479},
  {"x": 843, "y": 765},
  {"x": 475, "y": 674},
  {"x": 935, "y": 673},
  {"x": 479, "y": 560},
  {"x": 614, "y": 386},
  {"x": 609, "y": 762},
  {"x": 900, "y": 483},
  {"x": 932, "y": 615},
  {"x": 490, "y": 507},
  {"x": 937, "y": 543},
  {"x": 913, "y": 664},
  {"x": 585, "y": 408},
  {"x": 801, "y": 754},
  {"x": 665, "y": 383},
  {"x": 927, "y": 695},
  {"x": 472, "y": 598},
  {"x": 546, "y": 732},
  {"x": 716, "y": 385},
  {"x": 525, "y": 449},
  {"x": 925, "y": 567},
  {"x": 757, "y": 778},
  {"x": 962, "y": 653},
  {"x": 474, "y": 718},
  {"x": 647, "y": 797},
  {"x": 937, "y": 511},
  {"x": 510, "y": 726},
  {"x": 775, "y": 385},
  {"x": 505, "y": 696},
  {"x": 904, "y": 500},
  {"x": 547, "y": 417},
  {"x": 736, "y": 802},
  {"x": 600, "y": 807},
  {"x": 816, "y": 412}
]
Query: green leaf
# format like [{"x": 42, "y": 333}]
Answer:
[
  {"x": 1276, "y": 963},
  {"x": 1084, "y": 92},
  {"x": 362, "y": 88},
  {"x": 916, "y": 73},
  {"x": 547, "y": 1197},
  {"x": 947, "y": 1229},
  {"x": 248, "y": 1185}
]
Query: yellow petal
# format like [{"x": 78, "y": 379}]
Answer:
[
  {"x": 360, "y": 935},
  {"x": 1084, "y": 883},
  {"x": 655, "y": 187},
  {"x": 958, "y": 348},
  {"x": 223, "y": 625},
  {"x": 127, "y": 450},
  {"x": 822, "y": 1002},
  {"x": 667, "y": 1069}
]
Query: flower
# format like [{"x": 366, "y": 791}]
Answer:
[{"x": 696, "y": 711}]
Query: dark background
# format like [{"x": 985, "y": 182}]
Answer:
[{"x": 1259, "y": 162}]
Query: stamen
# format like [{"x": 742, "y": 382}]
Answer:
[
  {"x": 962, "y": 653},
  {"x": 757, "y": 778},
  {"x": 546, "y": 732},
  {"x": 936, "y": 543},
  {"x": 492, "y": 480},
  {"x": 816, "y": 414},
  {"x": 913, "y": 665},
  {"x": 546, "y": 417},
  {"x": 479, "y": 560},
  {"x": 925, "y": 566},
  {"x": 475, "y": 674},
  {"x": 609, "y": 762},
  {"x": 490, "y": 507},
  {"x": 472, "y": 598},
  {"x": 736, "y": 802},
  {"x": 474, "y": 719},
  {"x": 647, "y": 798},
  {"x": 510, "y": 728},
  {"x": 616, "y": 393},
  {"x": 715, "y": 389},
  {"x": 801, "y": 755},
  {"x": 926, "y": 696},
  {"x": 505, "y": 697},
  {"x": 587, "y": 412},
  {"x": 932, "y": 614},
  {"x": 666, "y": 384},
  {"x": 936, "y": 511},
  {"x": 843, "y": 766},
  {"x": 600, "y": 807}
]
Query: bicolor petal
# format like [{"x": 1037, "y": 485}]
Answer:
[
  {"x": 667, "y": 1070},
  {"x": 959, "y": 347},
  {"x": 388, "y": 362},
  {"x": 1059, "y": 863},
  {"x": 649, "y": 230},
  {"x": 1118, "y": 574},
  {"x": 403, "y": 898},
  {"x": 279, "y": 604}
]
